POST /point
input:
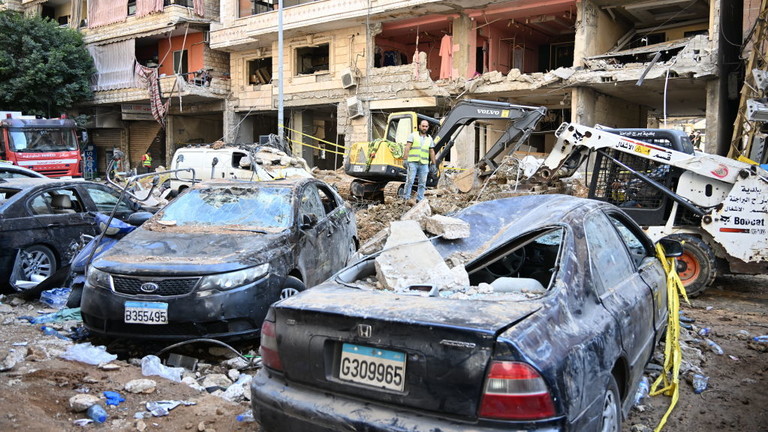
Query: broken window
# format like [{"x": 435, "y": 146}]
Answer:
[
  {"x": 328, "y": 199},
  {"x": 259, "y": 71},
  {"x": 105, "y": 201},
  {"x": 527, "y": 263},
  {"x": 180, "y": 66},
  {"x": 312, "y": 59},
  {"x": 610, "y": 266},
  {"x": 311, "y": 204},
  {"x": 57, "y": 201}
]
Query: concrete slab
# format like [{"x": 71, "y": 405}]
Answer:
[
  {"x": 450, "y": 228},
  {"x": 410, "y": 259}
]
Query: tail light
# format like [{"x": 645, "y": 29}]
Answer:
[
  {"x": 268, "y": 345},
  {"x": 515, "y": 391}
]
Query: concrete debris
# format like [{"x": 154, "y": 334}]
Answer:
[
  {"x": 141, "y": 385},
  {"x": 410, "y": 259},
  {"x": 81, "y": 402},
  {"x": 448, "y": 227},
  {"x": 10, "y": 358},
  {"x": 419, "y": 213},
  {"x": 216, "y": 380},
  {"x": 375, "y": 243}
]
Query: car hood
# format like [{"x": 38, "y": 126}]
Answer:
[
  {"x": 152, "y": 252},
  {"x": 492, "y": 316}
]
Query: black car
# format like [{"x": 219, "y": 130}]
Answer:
[
  {"x": 10, "y": 171},
  {"x": 40, "y": 220},
  {"x": 212, "y": 261},
  {"x": 576, "y": 303}
]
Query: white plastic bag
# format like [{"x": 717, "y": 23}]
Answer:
[
  {"x": 151, "y": 365},
  {"x": 87, "y": 353}
]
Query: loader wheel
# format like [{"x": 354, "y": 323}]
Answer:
[{"x": 696, "y": 267}]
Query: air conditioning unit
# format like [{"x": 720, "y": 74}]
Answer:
[
  {"x": 355, "y": 108},
  {"x": 348, "y": 79}
]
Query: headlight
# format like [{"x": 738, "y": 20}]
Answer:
[
  {"x": 97, "y": 278},
  {"x": 227, "y": 281}
]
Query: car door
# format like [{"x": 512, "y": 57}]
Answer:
[
  {"x": 57, "y": 226},
  {"x": 621, "y": 290},
  {"x": 649, "y": 268},
  {"x": 313, "y": 238},
  {"x": 341, "y": 242}
]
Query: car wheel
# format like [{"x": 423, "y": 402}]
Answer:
[
  {"x": 697, "y": 266},
  {"x": 291, "y": 287},
  {"x": 34, "y": 263},
  {"x": 610, "y": 420}
]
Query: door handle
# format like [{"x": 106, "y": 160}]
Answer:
[{"x": 54, "y": 225}]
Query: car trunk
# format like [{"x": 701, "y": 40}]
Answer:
[{"x": 442, "y": 345}]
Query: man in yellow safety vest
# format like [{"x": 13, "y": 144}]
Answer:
[
  {"x": 419, "y": 153},
  {"x": 146, "y": 162}
]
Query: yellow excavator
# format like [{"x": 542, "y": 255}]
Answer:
[{"x": 379, "y": 162}]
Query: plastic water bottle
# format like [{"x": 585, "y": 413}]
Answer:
[
  {"x": 56, "y": 298},
  {"x": 53, "y": 332},
  {"x": 97, "y": 413},
  {"x": 761, "y": 339},
  {"x": 699, "y": 383},
  {"x": 715, "y": 348},
  {"x": 246, "y": 416},
  {"x": 642, "y": 391},
  {"x": 705, "y": 331}
]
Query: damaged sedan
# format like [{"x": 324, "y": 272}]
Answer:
[
  {"x": 212, "y": 262},
  {"x": 543, "y": 318}
]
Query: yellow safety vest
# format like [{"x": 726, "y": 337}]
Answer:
[
  {"x": 146, "y": 160},
  {"x": 420, "y": 148}
]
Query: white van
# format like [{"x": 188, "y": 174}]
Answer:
[{"x": 234, "y": 162}]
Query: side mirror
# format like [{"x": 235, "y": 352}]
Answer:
[
  {"x": 179, "y": 158},
  {"x": 672, "y": 248},
  {"x": 215, "y": 162},
  {"x": 308, "y": 221},
  {"x": 138, "y": 218}
]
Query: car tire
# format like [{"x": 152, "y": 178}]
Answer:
[
  {"x": 75, "y": 296},
  {"x": 697, "y": 267},
  {"x": 291, "y": 287},
  {"x": 35, "y": 260},
  {"x": 610, "y": 418}
]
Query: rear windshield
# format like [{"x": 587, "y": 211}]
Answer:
[{"x": 256, "y": 208}]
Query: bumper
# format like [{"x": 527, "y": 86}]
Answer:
[
  {"x": 233, "y": 314},
  {"x": 286, "y": 408}
]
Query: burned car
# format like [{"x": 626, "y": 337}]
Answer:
[
  {"x": 41, "y": 219},
  {"x": 213, "y": 260},
  {"x": 563, "y": 304}
]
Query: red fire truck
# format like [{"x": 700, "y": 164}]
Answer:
[{"x": 48, "y": 146}]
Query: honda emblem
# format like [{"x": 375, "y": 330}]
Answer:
[
  {"x": 364, "y": 330},
  {"x": 149, "y": 287}
]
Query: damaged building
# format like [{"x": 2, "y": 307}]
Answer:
[{"x": 177, "y": 72}]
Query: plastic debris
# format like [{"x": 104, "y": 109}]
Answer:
[
  {"x": 705, "y": 331},
  {"x": 642, "y": 391},
  {"x": 163, "y": 407},
  {"x": 685, "y": 319},
  {"x": 87, "y": 353},
  {"x": 151, "y": 365},
  {"x": 97, "y": 413},
  {"x": 82, "y": 422},
  {"x": 113, "y": 398},
  {"x": 700, "y": 383},
  {"x": 246, "y": 416},
  {"x": 50, "y": 331},
  {"x": 714, "y": 347},
  {"x": 760, "y": 339},
  {"x": 70, "y": 314},
  {"x": 56, "y": 298}
]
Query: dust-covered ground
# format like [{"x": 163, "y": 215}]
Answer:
[{"x": 36, "y": 385}]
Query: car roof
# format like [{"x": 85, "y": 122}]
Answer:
[
  {"x": 31, "y": 182},
  {"x": 7, "y": 167}
]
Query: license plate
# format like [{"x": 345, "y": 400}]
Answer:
[
  {"x": 146, "y": 313},
  {"x": 358, "y": 168},
  {"x": 373, "y": 367}
]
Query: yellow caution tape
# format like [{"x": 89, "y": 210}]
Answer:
[
  {"x": 314, "y": 138},
  {"x": 314, "y": 147},
  {"x": 672, "y": 351}
]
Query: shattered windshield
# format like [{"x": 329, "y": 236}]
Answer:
[
  {"x": 256, "y": 208},
  {"x": 42, "y": 140}
]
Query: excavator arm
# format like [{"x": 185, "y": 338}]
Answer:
[{"x": 522, "y": 121}]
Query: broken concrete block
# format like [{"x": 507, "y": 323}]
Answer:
[
  {"x": 410, "y": 259},
  {"x": 81, "y": 402},
  {"x": 448, "y": 227},
  {"x": 142, "y": 385},
  {"x": 419, "y": 213},
  {"x": 563, "y": 73},
  {"x": 216, "y": 380},
  {"x": 375, "y": 243},
  {"x": 513, "y": 74}
]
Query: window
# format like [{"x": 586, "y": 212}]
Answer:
[
  {"x": 56, "y": 201},
  {"x": 638, "y": 249},
  {"x": 328, "y": 199},
  {"x": 259, "y": 71},
  {"x": 180, "y": 63},
  {"x": 400, "y": 129},
  {"x": 132, "y": 7},
  {"x": 311, "y": 203},
  {"x": 312, "y": 59},
  {"x": 106, "y": 200},
  {"x": 610, "y": 264}
]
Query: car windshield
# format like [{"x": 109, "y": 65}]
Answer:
[
  {"x": 42, "y": 140},
  {"x": 244, "y": 207}
]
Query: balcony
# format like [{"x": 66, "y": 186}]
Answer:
[{"x": 192, "y": 87}]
